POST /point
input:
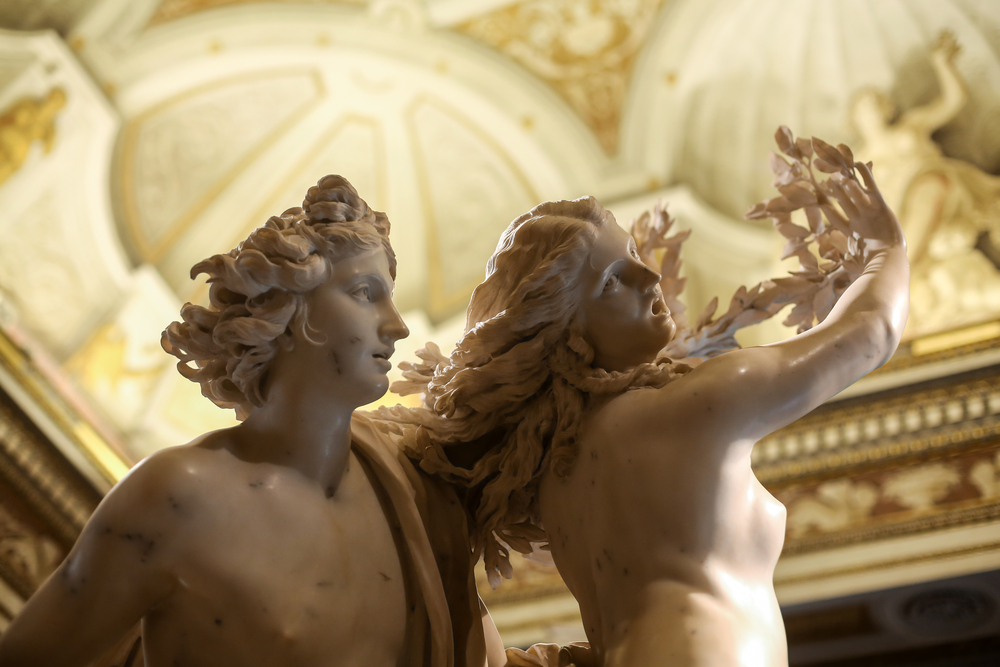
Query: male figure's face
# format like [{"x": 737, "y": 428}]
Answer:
[{"x": 353, "y": 318}]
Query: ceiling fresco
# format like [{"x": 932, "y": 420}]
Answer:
[{"x": 584, "y": 50}]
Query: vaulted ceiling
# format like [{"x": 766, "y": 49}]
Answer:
[
  {"x": 453, "y": 116},
  {"x": 457, "y": 116}
]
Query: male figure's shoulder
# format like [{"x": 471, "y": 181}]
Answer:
[
  {"x": 162, "y": 477},
  {"x": 152, "y": 479}
]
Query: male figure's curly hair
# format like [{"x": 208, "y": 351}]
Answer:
[
  {"x": 521, "y": 376},
  {"x": 258, "y": 290}
]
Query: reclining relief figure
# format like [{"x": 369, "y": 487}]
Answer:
[
  {"x": 566, "y": 423},
  {"x": 949, "y": 208},
  {"x": 299, "y": 536}
]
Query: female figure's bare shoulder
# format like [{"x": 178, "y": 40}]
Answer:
[{"x": 676, "y": 404}]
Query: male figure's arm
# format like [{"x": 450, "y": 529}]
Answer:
[
  {"x": 953, "y": 93},
  {"x": 116, "y": 571}
]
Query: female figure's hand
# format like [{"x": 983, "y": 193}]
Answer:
[{"x": 868, "y": 215}]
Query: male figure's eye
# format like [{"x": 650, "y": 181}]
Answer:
[
  {"x": 363, "y": 292},
  {"x": 612, "y": 281},
  {"x": 635, "y": 253}
]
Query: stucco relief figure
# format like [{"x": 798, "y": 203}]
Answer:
[
  {"x": 949, "y": 209},
  {"x": 25, "y": 123},
  {"x": 568, "y": 426},
  {"x": 299, "y": 536}
]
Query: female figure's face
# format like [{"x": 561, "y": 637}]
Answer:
[{"x": 622, "y": 310}]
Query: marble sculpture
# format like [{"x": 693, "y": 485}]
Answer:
[
  {"x": 630, "y": 466},
  {"x": 581, "y": 414}
]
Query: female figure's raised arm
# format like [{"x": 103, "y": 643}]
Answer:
[{"x": 747, "y": 394}]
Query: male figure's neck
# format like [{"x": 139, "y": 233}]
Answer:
[{"x": 300, "y": 426}]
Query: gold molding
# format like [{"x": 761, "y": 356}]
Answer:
[
  {"x": 26, "y": 470},
  {"x": 868, "y": 566},
  {"x": 908, "y": 423},
  {"x": 50, "y": 501},
  {"x": 959, "y": 338},
  {"x": 171, "y": 10},
  {"x": 879, "y": 528},
  {"x": 106, "y": 457},
  {"x": 942, "y": 347}
]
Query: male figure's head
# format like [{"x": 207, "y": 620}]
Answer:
[{"x": 310, "y": 288}]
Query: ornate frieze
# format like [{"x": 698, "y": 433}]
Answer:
[{"x": 918, "y": 458}]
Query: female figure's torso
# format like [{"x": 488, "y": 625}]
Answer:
[{"x": 668, "y": 541}]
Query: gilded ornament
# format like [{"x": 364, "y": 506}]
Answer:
[{"x": 27, "y": 121}]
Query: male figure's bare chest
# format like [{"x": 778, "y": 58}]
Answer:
[{"x": 299, "y": 574}]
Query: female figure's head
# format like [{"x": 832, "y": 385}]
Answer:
[
  {"x": 259, "y": 292},
  {"x": 524, "y": 371}
]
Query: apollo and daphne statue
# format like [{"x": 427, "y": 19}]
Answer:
[{"x": 580, "y": 413}]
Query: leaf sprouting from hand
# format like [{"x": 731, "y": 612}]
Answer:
[
  {"x": 816, "y": 287},
  {"x": 813, "y": 290}
]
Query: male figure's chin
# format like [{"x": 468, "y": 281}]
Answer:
[{"x": 377, "y": 388}]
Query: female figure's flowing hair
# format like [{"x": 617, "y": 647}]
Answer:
[
  {"x": 521, "y": 378},
  {"x": 258, "y": 291}
]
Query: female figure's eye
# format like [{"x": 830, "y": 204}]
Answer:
[
  {"x": 635, "y": 253},
  {"x": 363, "y": 292},
  {"x": 612, "y": 281}
]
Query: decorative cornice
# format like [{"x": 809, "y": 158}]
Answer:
[
  {"x": 911, "y": 423},
  {"x": 51, "y": 398}
]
